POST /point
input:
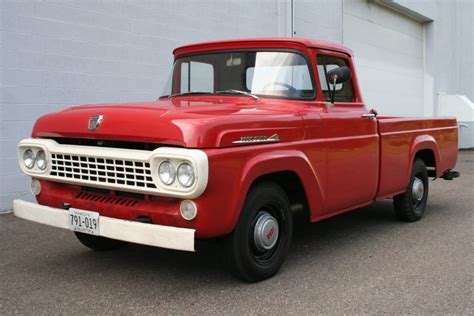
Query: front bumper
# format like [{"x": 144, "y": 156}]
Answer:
[{"x": 135, "y": 232}]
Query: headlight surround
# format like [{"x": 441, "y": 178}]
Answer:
[
  {"x": 186, "y": 175},
  {"x": 29, "y": 158},
  {"x": 166, "y": 172},
  {"x": 41, "y": 160}
]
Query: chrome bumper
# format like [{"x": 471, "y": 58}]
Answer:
[{"x": 134, "y": 232}]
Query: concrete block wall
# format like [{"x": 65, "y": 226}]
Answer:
[
  {"x": 57, "y": 53},
  {"x": 320, "y": 19},
  {"x": 454, "y": 47}
]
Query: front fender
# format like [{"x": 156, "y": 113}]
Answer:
[
  {"x": 278, "y": 161},
  {"x": 232, "y": 171}
]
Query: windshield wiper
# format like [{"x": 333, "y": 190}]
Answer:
[
  {"x": 188, "y": 93},
  {"x": 228, "y": 91},
  {"x": 234, "y": 91}
]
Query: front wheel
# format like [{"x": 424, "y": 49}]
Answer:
[
  {"x": 410, "y": 205},
  {"x": 262, "y": 237}
]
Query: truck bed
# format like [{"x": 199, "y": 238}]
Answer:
[{"x": 401, "y": 135}]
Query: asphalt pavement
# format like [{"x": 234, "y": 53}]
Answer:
[{"x": 364, "y": 261}]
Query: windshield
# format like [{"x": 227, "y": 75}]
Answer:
[{"x": 271, "y": 74}]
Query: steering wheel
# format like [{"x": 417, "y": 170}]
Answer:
[{"x": 291, "y": 90}]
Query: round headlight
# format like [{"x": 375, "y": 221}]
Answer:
[
  {"x": 29, "y": 158},
  {"x": 185, "y": 175},
  {"x": 166, "y": 172},
  {"x": 41, "y": 161}
]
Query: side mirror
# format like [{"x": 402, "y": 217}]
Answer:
[
  {"x": 339, "y": 75},
  {"x": 336, "y": 76}
]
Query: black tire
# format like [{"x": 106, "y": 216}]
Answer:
[
  {"x": 99, "y": 243},
  {"x": 410, "y": 205},
  {"x": 245, "y": 255}
]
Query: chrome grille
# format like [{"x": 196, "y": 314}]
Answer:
[{"x": 128, "y": 173}]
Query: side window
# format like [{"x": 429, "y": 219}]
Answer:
[
  {"x": 344, "y": 92},
  {"x": 197, "y": 76}
]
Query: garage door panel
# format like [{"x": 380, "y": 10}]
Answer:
[
  {"x": 391, "y": 82},
  {"x": 380, "y": 15},
  {"x": 379, "y": 36},
  {"x": 369, "y": 56},
  {"x": 393, "y": 100},
  {"x": 392, "y": 106},
  {"x": 389, "y": 57},
  {"x": 391, "y": 79}
]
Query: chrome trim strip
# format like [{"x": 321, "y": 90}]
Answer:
[{"x": 257, "y": 139}]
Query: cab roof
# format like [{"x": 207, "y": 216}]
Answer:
[{"x": 278, "y": 42}]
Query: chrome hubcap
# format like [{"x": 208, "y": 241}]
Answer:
[
  {"x": 418, "y": 189},
  {"x": 265, "y": 232}
]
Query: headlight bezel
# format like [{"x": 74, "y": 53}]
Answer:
[
  {"x": 35, "y": 169},
  {"x": 176, "y": 161}
]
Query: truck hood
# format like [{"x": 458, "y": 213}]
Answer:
[{"x": 199, "y": 123}]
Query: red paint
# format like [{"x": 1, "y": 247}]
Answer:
[{"x": 343, "y": 160}]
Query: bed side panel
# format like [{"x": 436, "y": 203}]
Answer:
[{"x": 402, "y": 138}]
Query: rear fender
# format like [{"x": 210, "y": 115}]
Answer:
[{"x": 423, "y": 142}]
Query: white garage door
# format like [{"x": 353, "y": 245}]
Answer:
[{"x": 388, "y": 48}]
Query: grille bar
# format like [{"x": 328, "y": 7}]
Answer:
[{"x": 130, "y": 173}]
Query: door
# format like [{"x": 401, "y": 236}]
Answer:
[{"x": 351, "y": 140}]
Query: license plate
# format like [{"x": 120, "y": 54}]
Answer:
[{"x": 84, "y": 221}]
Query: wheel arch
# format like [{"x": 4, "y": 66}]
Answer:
[
  {"x": 290, "y": 182},
  {"x": 426, "y": 148},
  {"x": 289, "y": 169}
]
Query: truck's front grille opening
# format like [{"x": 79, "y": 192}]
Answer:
[
  {"x": 128, "y": 173},
  {"x": 132, "y": 195},
  {"x": 109, "y": 199}
]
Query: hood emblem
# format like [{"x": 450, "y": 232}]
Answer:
[
  {"x": 95, "y": 121},
  {"x": 257, "y": 139}
]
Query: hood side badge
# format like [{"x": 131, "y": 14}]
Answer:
[
  {"x": 95, "y": 121},
  {"x": 257, "y": 139}
]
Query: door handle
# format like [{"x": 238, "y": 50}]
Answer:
[{"x": 371, "y": 115}]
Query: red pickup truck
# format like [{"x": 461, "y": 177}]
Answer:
[{"x": 245, "y": 133}]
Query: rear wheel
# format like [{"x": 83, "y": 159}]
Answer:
[
  {"x": 99, "y": 243},
  {"x": 410, "y": 205},
  {"x": 262, "y": 237}
]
